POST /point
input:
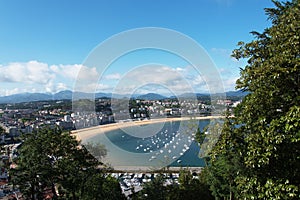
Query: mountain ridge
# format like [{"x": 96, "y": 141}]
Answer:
[{"x": 68, "y": 95}]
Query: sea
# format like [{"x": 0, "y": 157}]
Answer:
[{"x": 168, "y": 144}]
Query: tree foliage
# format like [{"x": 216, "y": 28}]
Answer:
[
  {"x": 265, "y": 133},
  {"x": 96, "y": 149},
  {"x": 1, "y": 130},
  {"x": 187, "y": 187},
  {"x": 51, "y": 161},
  {"x": 154, "y": 189}
]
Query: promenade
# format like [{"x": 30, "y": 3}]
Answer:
[{"x": 86, "y": 133}]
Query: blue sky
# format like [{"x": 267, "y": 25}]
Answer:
[{"x": 44, "y": 43}]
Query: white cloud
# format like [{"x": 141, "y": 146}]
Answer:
[
  {"x": 167, "y": 77},
  {"x": 15, "y": 90},
  {"x": 94, "y": 87},
  {"x": 49, "y": 87},
  {"x": 179, "y": 69},
  {"x": 30, "y": 72},
  {"x": 52, "y": 87},
  {"x": 34, "y": 76},
  {"x": 115, "y": 76},
  {"x": 61, "y": 87},
  {"x": 226, "y": 72},
  {"x": 7, "y": 92},
  {"x": 67, "y": 71},
  {"x": 101, "y": 87},
  {"x": 198, "y": 80},
  {"x": 230, "y": 83},
  {"x": 87, "y": 74}
]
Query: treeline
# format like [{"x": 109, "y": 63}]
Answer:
[
  {"x": 257, "y": 155},
  {"x": 52, "y": 164}
]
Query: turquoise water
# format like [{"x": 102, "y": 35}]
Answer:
[{"x": 171, "y": 137}]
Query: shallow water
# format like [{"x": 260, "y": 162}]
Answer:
[{"x": 170, "y": 143}]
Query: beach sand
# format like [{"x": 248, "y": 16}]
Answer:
[
  {"x": 122, "y": 160},
  {"x": 85, "y": 133}
]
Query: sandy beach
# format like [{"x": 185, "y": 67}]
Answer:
[{"x": 85, "y": 133}]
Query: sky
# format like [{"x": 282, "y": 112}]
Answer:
[{"x": 44, "y": 45}]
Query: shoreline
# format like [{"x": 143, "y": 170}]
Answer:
[
  {"x": 88, "y": 132},
  {"x": 143, "y": 169}
]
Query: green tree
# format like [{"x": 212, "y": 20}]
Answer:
[
  {"x": 190, "y": 187},
  {"x": 200, "y": 136},
  {"x": 50, "y": 159},
  {"x": 154, "y": 189},
  {"x": 96, "y": 149},
  {"x": 265, "y": 132},
  {"x": 1, "y": 130},
  {"x": 223, "y": 161},
  {"x": 100, "y": 187}
]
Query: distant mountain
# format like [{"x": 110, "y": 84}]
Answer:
[
  {"x": 192, "y": 95},
  {"x": 62, "y": 95},
  {"x": 238, "y": 93},
  {"x": 67, "y": 94},
  {"x": 151, "y": 96},
  {"x": 103, "y": 95},
  {"x": 25, "y": 97}
]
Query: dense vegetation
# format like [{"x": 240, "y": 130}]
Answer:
[
  {"x": 258, "y": 153},
  {"x": 188, "y": 188},
  {"x": 52, "y": 163}
]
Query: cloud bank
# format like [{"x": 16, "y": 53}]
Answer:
[{"x": 34, "y": 76}]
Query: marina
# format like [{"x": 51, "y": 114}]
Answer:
[{"x": 173, "y": 145}]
